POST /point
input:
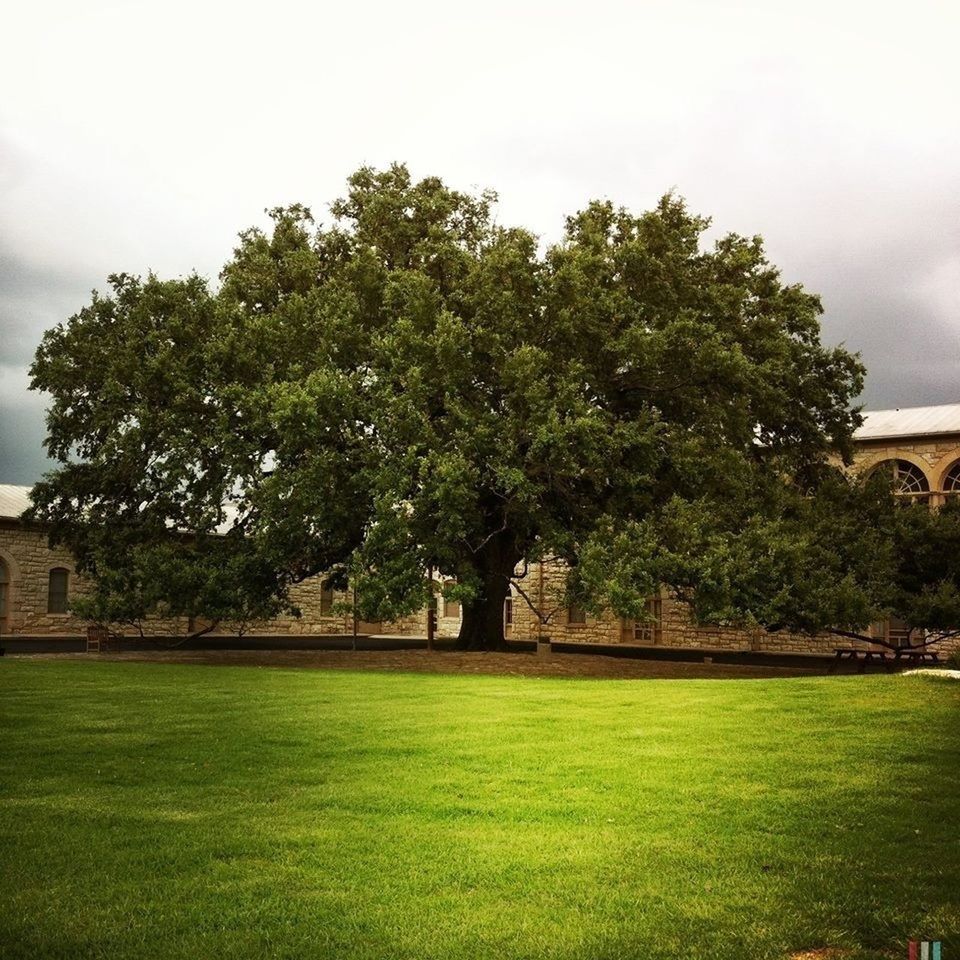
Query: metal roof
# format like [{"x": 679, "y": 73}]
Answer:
[
  {"x": 14, "y": 499},
  {"x": 909, "y": 422}
]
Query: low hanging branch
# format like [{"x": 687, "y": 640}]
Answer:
[
  {"x": 544, "y": 617},
  {"x": 927, "y": 639},
  {"x": 196, "y": 635}
]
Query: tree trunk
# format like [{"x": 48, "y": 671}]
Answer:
[{"x": 482, "y": 624}]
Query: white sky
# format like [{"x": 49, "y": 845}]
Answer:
[{"x": 140, "y": 135}]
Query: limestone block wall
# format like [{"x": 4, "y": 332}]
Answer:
[
  {"x": 545, "y": 584},
  {"x": 315, "y": 619},
  {"x": 318, "y": 618},
  {"x": 933, "y": 455},
  {"x": 29, "y": 561},
  {"x": 415, "y": 625}
]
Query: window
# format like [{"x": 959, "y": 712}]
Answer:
[
  {"x": 57, "y": 590},
  {"x": 908, "y": 479},
  {"x": 451, "y": 608},
  {"x": 4, "y": 591},
  {"x": 576, "y": 615},
  {"x": 951, "y": 482},
  {"x": 326, "y": 599},
  {"x": 508, "y": 612},
  {"x": 893, "y": 630},
  {"x": 648, "y": 630}
]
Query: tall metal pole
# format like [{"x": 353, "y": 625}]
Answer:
[
  {"x": 539, "y": 603},
  {"x": 354, "y": 619},
  {"x": 431, "y": 611}
]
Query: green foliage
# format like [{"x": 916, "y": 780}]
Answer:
[
  {"x": 926, "y": 580},
  {"x": 835, "y": 559},
  {"x": 416, "y": 386}
]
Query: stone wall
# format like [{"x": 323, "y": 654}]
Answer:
[
  {"x": 674, "y": 627},
  {"x": 933, "y": 455},
  {"x": 29, "y": 560}
]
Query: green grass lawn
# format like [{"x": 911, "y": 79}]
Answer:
[{"x": 199, "y": 812}]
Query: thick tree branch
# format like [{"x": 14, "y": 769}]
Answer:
[
  {"x": 544, "y": 618},
  {"x": 196, "y": 635},
  {"x": 928, "y": 640}
]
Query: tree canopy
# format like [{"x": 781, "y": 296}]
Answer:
[{"x": 415, "y": 386}]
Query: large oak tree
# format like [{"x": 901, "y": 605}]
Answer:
[{"x": 414, "y": 386}]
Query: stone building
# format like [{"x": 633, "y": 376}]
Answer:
[{"x": 920, "y": 444}]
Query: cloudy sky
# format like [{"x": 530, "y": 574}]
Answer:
[{"x": 138, "y": 136}]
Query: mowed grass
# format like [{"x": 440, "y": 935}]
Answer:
[{"x": 153, "y": 811}]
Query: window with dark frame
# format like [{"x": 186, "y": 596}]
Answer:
[
  {"x": 57, "y": 590},
  {"x": 508, "y": 612},
  {"x": 893, "y": 630},
  {"x": 576, "y": 615},
  {"x": 648, "y": 631},
  {"x": 951, "y": 482},
  {"x": 4, "y": 590},
  {"x": 326, "y": 599}
]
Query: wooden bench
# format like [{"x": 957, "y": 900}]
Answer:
[
  {"x": 863, "y": 657},
  {"x": 100, "y": 639}
]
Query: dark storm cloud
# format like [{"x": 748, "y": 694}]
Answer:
[
  {"x": 32, "y": 299},
  {"x": 22, "y": 457},
  {"x": 896, "y": 300}
]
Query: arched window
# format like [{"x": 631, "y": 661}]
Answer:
[
  {"x": 4, "y": 592},
  {"x": 908, "y": 478},
  {"x": 951, "y": 482},
  {"x": 57, "y": 590}
]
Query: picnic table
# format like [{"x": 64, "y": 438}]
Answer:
[
  {"x": 913, "y": 655},
  {"x": 863, "y": 657},
  {"x": 916, "y": 655}
]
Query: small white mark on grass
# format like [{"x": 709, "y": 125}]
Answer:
[
  {"x": 933, "y": 672},
  {"x": 823, "y": 953}
]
